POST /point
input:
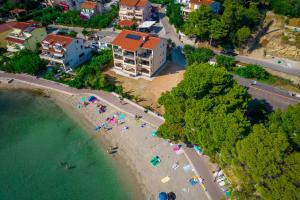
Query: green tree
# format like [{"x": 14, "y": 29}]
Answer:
[
  {"x": 242, "y": 35},
  {"x": 198, "y": 23},
  {"x": 253, "y": 71},
  {"x": 266, "y": 158},
  {"x": 175, "y": 14},
  {"x": 209, "y": 105},
  {"x": 286, "y": 7},
  {"x": 218, "y": 30},
  {"x": 26, "y": 61},
  {"x": 198, "y": 55},
  {"x": 289, "y": 123},
  {"x": 225, "y": 61}
]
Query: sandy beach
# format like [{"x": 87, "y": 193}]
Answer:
[{"x": 136, "y": 147}]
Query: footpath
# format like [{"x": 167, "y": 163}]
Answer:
[{"x": 200, "y": 164}]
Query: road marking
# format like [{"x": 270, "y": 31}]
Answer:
[{"x": 274, "y": 93}]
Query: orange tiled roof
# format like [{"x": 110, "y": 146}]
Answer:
[
  {"x": 126, "y": 23},
  {"x": 125, "y": 40},
  {"x": 61, "y": 39},
  {"x": 23, "y": 25},
  {"x": 15, "y": 40},
  {"x": 204, "y": 2},
  {"x": 132, "y": 3},
  {"x": 151, "y": 43},
  {"x": 89, "y": 5},
  {"x": 6, "y": 26}
]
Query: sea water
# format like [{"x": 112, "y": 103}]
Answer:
[{"x": 44, "y": 155}]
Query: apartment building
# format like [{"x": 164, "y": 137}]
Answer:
[
  {"x": 89, "y": 9},
  {"x": 193, "y": 5},
  {"x": 138, "y": 54},
  {"x": 64, "y": 51},
  {"x": 25, "y": 35},
  {"x": 140, "y": 10}
]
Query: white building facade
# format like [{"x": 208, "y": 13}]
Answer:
[{"x": 65, "y": 51}]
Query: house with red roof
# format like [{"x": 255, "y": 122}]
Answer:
[
  {"x": 89, "y": 9},
  {"x": 5, "y": 30},
  {"x": 25, "y": 35},
  {"x": 139, "y": 10},
  {"x": 64, "y": 51},
  {"x": 138, "y": 54}
]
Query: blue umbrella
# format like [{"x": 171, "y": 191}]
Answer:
[{"x": 163, "y": 196}]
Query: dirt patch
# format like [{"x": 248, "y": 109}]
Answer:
[
  {"x": 148, "y": 92},
  {"x": 280, "y": 39}
]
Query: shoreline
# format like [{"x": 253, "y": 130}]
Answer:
[
  {"x": 136, "y": 148},
  {"x": 126, "y": 173}
]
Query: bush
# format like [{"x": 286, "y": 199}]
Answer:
[
  {"x": 225, "y": 61},
  {"x": 197, "y": 55},
  {"x": 253, "y": 71},
  {"x": 71, "y": 18},
  {"x": 90, "y": 75},
  {"x": 24, "y": 61}
]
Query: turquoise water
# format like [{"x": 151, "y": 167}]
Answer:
[{"x": 36, "y": 138}]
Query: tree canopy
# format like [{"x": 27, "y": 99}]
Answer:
[
  {"x": 198, "y": 55},
  {"x": 90, "y": 74},
  {"x": 286, "y": 7},
  {"x": 233, "y": 25},
  {"x": 24, "y": 61},
  {"x": 207, "y": 108},
  {"x": 175, "y": 14}
]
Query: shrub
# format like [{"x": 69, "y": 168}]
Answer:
[
  {"x": 197, "y": 55},
  {"x": 225, "y": 61},
  {"x": 253, "y": 71}
]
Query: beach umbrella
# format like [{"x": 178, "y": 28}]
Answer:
[
  {"x": 171, "y": 196},
  {"x": 163, "y": 196}
]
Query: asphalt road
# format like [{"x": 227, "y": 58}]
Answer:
[
  {"x": 171, "y": 33},
  {"x": 276, "y": 97},
  {"x": 277, "y": 67}
]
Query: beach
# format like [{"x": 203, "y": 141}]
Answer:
[{"x": 136, "y": 147}]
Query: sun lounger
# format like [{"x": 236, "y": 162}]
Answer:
[{"x": 166, "y": 179}]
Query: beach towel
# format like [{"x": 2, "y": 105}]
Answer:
[
  {"x": 82, "y": 99},
  {"x": 179, "y": 152},
  {"x": 113, "y": 120},
  {"x": 122, "y": 116},
  {"x": 166, "y": 179}
]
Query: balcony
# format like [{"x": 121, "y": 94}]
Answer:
[
  {"x": 118, "y": 57},
  {"x": 145, "y": 71},
  {"x": 145, "y": 55},
  {"x": 128, "y": 54},
  {"x": 14, "y": 47},
  {"x": 130, "y": 71},
  {"x": 144, "y": 63},
  {"x": 119, "y": 65},
  {"x": 118, "y": 51},
  {"x": 130, "y": 62},
  {"x": 52, "y": 58}
]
